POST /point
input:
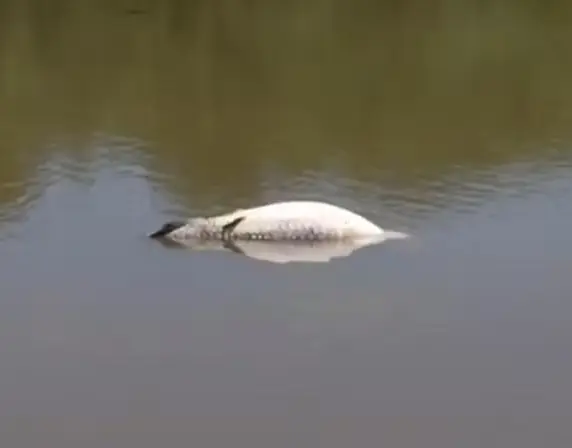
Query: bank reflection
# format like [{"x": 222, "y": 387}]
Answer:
[{"x": 230, "y": 98}]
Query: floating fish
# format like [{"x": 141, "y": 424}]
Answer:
[
  {"x": 282, "y": 232},
  {"x": 281, "y": 221}
]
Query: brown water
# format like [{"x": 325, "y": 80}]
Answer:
[{"x": 452, "y": 122}]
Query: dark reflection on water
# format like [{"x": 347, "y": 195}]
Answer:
[{"x": 449, "y": 122}]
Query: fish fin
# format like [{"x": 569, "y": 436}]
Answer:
[
  {"x": 228, "y": 228},
  {"x": 167, "y": 228}
]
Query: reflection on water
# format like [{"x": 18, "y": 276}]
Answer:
[
  {"x": 450, "y": 123},
  {"x": 288, "y": 252},
  {"x": 397, "y": 98}
]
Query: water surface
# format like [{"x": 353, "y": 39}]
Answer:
[{"x": 451, "y": 124}]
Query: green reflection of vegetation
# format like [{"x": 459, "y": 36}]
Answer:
[{"x": 384, "y": 90}]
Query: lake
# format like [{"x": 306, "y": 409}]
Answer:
[{"x": 451, "y": 122}]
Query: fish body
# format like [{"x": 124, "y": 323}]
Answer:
[{"x": 281, "y": 221}]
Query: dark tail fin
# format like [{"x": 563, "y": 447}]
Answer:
[{"x": 166, "y": 229}]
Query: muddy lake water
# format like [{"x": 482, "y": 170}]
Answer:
[{"x": 454, "y": 126}]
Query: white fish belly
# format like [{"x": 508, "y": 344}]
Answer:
[
  {"x": 294, "y": 220},
  {"x": 286, "y": 221}
]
